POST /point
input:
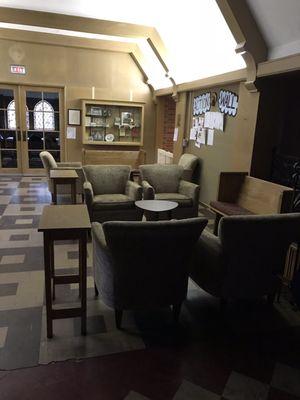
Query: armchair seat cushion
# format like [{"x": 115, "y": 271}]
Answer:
[
  {"x": 112, "y": 201},
  {"x": 181, "y": 199},
  {"x": 229, "y": 208}
]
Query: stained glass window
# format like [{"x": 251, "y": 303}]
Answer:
[
  {"x": 43, "y": 116},
  {"x": 11, "y": 116}
]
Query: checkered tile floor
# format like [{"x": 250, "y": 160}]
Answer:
[{"x": 245, "y": 354}]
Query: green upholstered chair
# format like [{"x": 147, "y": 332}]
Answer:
[
  {"x": 139, "y": 265},
  {"x": 110, "y": 195},
  {"x": 50, "y": 163},
  {"x": 164, "y": 182},
  {"x": 189, "y": 163},
  {"x": 244, "y": 260}
]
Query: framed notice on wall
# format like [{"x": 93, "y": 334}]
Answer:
[{"x": 74, "y": 117}]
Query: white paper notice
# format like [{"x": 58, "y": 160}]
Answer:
[
  {"x": 202, "y": 136},
  {"x": 197, "y": 144},
  {"x": 193, "y": 134},
  {"x": 214, "y": 120},
  {"x": 210, "y": 137},
  {"x": 71, "y": 132},
  {"x": 175, "y": 136}
]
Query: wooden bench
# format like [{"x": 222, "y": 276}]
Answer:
[
  {"x": 134, "y": 158},
  {"x": 240, "y": 194}
]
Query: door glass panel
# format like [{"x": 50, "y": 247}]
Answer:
[
  {"x": 32, "y": 98},
  {"x": 9, "y": 159},
  {"x": 44, "y": 125},
  {"x": 34, "y": 159},
  {"x": 53, "y": 99},
  {"x": 56, "y": 155},
  {"x": 35, "y": 140},
  {"x": 8, "y": 124},
  {"x": 8, "y": 139},
  {"x": 52, "y": 141},
  {"x": 6, "y": 96}
]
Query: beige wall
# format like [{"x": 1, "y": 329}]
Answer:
[
  {"x": 232, "y": 149},
  {"x": 114, "y": 76}
]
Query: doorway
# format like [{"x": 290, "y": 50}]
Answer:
[{"x": 31, "y": 120}]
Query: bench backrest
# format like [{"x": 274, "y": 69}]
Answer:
[
  {"x": 263, "y": 197},
  {"x": 114, "y": 157}
]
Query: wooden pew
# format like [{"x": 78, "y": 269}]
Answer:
[{"x": 240, "y": 194}]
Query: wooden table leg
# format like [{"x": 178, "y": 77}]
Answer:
[
  {"x": 82, "y": 266},
  {"x": 54, "y": 191},
  {"x": 73, "y": 192},
  {"x": 52, "y": 264},
  {"x": 47, "y": 262}
]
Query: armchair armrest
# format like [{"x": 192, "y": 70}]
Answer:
[
  {"x": 88, "y": 195},
  {"x": 208, "y": 267},
  {"x": 133, "y": 190},
  {"x": 74, "y": 164},
  {"x": 190, "y": 190},
  {"x": 102, "y": 260},
  {"x": 148, "y": 190}
]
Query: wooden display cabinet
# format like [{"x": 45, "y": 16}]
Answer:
[{"x": 112, "y": 123}]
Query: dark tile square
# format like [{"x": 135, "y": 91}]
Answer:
[
  {"x": 8, "y": 289},
  {"x": 73, "y": 255},
  {"x": 19, "y": 237},
  {"x": 27, "y": 208}
]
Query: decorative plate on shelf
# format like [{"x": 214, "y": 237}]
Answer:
[{"x": 109, "y": 137}]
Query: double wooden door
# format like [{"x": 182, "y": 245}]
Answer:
[{"x": 31, "y": 120}]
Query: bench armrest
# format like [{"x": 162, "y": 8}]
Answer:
[
  {"x": 148, "y": 190},
  {"x": 190, "y": 190},
  {"x": 134, "y": 190}
]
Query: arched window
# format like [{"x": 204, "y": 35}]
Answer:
[
  {"x": 43, "y": 116},
  {"x": 11, "y": 116}
]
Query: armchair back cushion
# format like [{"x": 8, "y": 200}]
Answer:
[
  {"x": 48, "y": 162},
  {"x": 107, "y": 179},
  {"x": 254, "y": 249},
  {"x": 148, "y": 267},
  {"x": 164, "y": 178}
]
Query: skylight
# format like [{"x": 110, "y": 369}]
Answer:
[{"x": 198, "y": 41}]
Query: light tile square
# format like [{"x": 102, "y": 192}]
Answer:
[
  {"x": 4, "y": 199},
  {"x": 25, "y": 199},
  {"x": 241, "y": 387},
  {"x": 13, "y": 259},
  {"x": 19, "y": 209},
  {"x": 190, "y": 391},
  {"x": 3, "y": 334},
  {"x": 287, "y": 379},
  {"x": 25, "y": 221}
]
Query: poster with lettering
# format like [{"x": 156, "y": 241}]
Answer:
[
  {"x": 228, "y": 102},
  {"x": 201, "y": 104}
]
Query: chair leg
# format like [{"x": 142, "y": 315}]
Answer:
[
  {"x": 118, "y": 318},
  {"x": 176, "y": 312},
  {"x": 96, "y": 290}
]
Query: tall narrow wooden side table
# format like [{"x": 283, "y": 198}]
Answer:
[
  {"x": 64, "y": 177},
  {"x": 64, "y": 222}
]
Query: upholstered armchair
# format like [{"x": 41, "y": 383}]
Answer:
[
  {"x": 110, "y": 195},
  {"x": 189, "y": 163},
  {"x": 244, "y": 260},
  {"x": 132, "y": 272},
  {"x": 164, "y": 182},
  {"x": 50, "y": 163}
]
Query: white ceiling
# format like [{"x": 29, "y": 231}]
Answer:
[
  {"x": 279, "y": 22},
  {"x": 196, "y": 36}
]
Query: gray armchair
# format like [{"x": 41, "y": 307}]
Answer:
[
  {"x": 132, "y": 272},
  {"x": 244, "y": 261},
  {"x": 110, "y": 195},
  {"x": 164, "y": 182},
  {"x": 189, "y": 163},
  {"x": 50, "y": 163}
]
